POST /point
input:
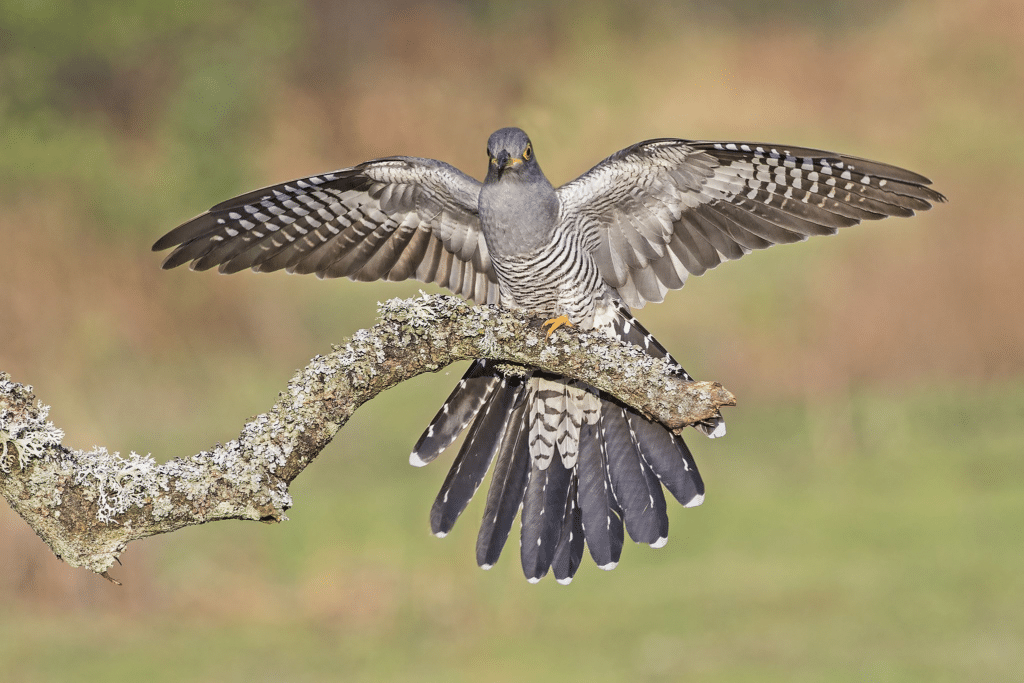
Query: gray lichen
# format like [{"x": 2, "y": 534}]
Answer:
[
  {"x": 25, "y": 436},
  {"x": 115, "y": 483}
]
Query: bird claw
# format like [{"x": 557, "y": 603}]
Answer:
[{"x": 554, "y": 323}]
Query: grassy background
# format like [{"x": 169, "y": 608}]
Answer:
[{"x": 865, "y": 513}]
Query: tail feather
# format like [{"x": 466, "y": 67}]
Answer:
[
  {"x": 465, "y": 401},
  {"x": 508, "y": 485},
  {"x": 560, "y": 408},
  {"x": 600, "y": 513},
  {"x": 713, "y": 427},
  {"x": 548, "y": 406},
  {"x": 474, "y": 457},
  {"x": 569, "y": 552},
  {"x": 669, "y": 458},
  {"x": 581, "y": 407},
  {"x": 543, "y": 517},
  {"x": 635, "y": 486},
  {"x": 628, "y": 328}
]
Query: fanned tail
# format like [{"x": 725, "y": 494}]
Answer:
[{"x": 583, "y": 468}]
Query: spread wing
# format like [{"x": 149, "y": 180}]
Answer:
[
  {"x": 661, "y": 209},
  {"x": 392, "y": 219}
]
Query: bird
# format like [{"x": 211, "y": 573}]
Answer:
[{"x": 579, "y": 468}]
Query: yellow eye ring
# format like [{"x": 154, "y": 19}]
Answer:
[{"x": 528, "y": 152}]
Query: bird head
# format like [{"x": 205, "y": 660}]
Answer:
[{"x": 509, "y": 151}]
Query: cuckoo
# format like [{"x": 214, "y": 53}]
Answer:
[{"x": 579, "y": 467}]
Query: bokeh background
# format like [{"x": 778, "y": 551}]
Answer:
[{"x": 865, "y": 514}]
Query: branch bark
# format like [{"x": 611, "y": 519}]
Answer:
[{"x": 87, "y": 506}]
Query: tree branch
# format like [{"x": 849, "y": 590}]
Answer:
[{"x": 87, "y": 506}]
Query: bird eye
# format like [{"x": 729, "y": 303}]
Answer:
[{"x": 528, "y": 152}]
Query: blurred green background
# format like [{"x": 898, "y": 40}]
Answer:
[{"x": 865, "y": 514}]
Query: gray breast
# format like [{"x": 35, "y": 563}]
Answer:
[{"x": 517, "y": 217}]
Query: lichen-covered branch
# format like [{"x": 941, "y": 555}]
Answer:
[{"x": 87, "y": 506}]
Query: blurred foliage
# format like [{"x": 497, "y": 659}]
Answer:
[
  {"x": 89, "y": 90},
  {"x": 639, "y": 18},
  {"x": 863, "y": 514}
]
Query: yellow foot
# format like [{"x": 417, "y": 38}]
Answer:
[{"x": 555, "y": 323}]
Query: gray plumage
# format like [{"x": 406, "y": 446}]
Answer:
[{"x": 579, "y": 464}]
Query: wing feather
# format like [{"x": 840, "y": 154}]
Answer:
[
  {"x": 391, "y": 219},
  {"x": 708, "y": 202}
]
